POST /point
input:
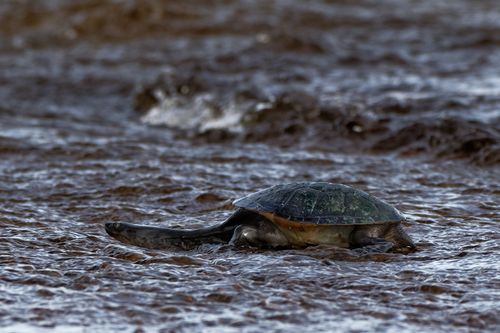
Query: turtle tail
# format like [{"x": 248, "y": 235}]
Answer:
[{"x": 162, "y": 238}]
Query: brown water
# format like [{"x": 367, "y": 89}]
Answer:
[{"x": 162, "y": 113}]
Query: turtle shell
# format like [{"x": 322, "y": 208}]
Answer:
[{"x": 321, "y": 203}]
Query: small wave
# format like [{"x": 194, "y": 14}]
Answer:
[
  {"x": 407, "y": 124},
  {"x": 447, "y": 138},
  {"x": 201, "y": 113}
]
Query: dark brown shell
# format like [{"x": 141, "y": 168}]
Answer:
[{"x": 321, "y": 203}]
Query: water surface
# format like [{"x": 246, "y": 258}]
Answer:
[{"x": 163, "y": 113}]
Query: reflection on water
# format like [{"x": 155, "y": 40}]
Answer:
[{"x": 398, "y": 99}]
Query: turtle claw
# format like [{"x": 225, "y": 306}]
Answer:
[{"x": 380, "y": 246}]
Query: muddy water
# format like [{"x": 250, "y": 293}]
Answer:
[{"x": 162, "y": 113}]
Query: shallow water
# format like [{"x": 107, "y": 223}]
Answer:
[{"x": 163, "y": 113}]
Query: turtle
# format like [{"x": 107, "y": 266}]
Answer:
[{"x": 293, "y": 215}]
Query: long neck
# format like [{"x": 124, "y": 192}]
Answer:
[{"x": 161, "y": 238}]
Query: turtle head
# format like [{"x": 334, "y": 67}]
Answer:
[
  {"x": 124, "y": 232},
  {"x": 140, "y": 235},
  {"x": 113, "y": 228}
]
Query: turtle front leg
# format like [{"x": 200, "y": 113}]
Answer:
[
  {"x": 380, "y": 238},
  {"x": 263, "y": 234}
]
